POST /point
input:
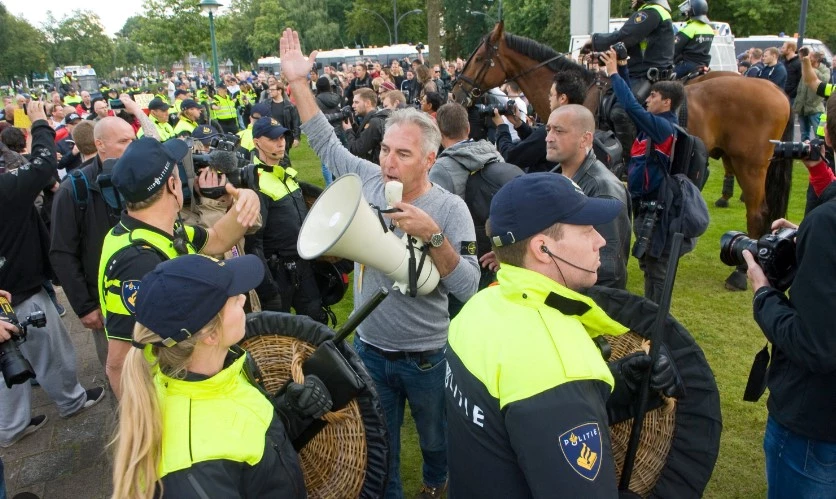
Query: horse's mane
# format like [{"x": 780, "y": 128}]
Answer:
[{"x": 539, "y": 52}]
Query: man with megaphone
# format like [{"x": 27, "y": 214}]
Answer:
[{"x": 402, "y": 341}]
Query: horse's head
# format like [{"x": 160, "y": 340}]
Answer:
[{"x": 483, "y": 69}]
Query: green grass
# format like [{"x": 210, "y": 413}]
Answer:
[{"x": 720, "y": 321}]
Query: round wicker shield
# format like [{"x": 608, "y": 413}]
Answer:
[
  {"x": 680, "y": 440},
  {"x": 348, "y": 457}
]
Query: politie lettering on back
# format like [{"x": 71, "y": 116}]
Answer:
[
  {"x": 472, "y": 411},
  {"x": 159, "y": 179}
]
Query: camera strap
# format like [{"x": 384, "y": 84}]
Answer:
[{"x": 758, "y": 375}]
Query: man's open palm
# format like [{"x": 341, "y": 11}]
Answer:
[{"x": 294, "y": 64}]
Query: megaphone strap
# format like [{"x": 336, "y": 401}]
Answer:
[{"x": 380, "y": 212}]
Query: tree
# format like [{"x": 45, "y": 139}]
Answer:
[
  {"x": 264, "y": 38},
  {"x": 79, "y": 39},
  {"x": 23, "y": 48},
  {"x": 233, "y": 28},
  {"x": 364, "y": 23},
  {"x": 170, "y": 30}
]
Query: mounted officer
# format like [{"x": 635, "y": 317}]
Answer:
[
  {"x": 648, "y": 36},
  {"x": 692, "y": 46}
]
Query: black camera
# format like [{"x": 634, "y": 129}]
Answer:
[
  {"x": 507, "y": 109},
  {"x": 14, "y": 366},
  {"x": 419, "y": 47},
  {"x": 115, "y": 104},
  {"x": 775, "y": 254},
  {"x": 798, "y": 150},
  {"x": 620, "y": 53},
  {"x": 232, "y": 164},
  {"x": 225, "y": 142},
  {"x": 343, "y": 114}
]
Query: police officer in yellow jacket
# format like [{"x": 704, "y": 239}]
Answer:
[
  {"x": 290, "y": 281},
  {"x": 223, "y": 110},
  {"x": 158, "y": 112},
  {"x": 528, "y": 392},
  {"x": 195, "y": 424},
  {"x": 189, "y": 117},
  {"x": 692, "y": 44},
  {"x": 648, "y": 36},
  {"x": 149, "y": 232},
  {"x": 247, "y": 145}
]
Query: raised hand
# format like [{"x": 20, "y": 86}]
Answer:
[{"x": 295, "y": 66}]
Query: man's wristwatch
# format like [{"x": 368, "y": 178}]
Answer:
[{"x": 436, "y": 240}]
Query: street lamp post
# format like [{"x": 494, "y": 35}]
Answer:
[
  {"x": 477, "y": 13},
  {"x": 398, "y": 21},
  {"x": 210, "y": 7}
]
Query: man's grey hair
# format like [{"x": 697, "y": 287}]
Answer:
[{"x": 429, "y": 130}]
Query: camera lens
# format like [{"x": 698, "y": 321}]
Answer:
[{"x": 732, "y": 244}]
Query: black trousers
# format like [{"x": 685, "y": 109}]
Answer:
[{"x": 298, "y": 288}]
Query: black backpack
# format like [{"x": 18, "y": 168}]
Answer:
[
  {"x": 690, "y": 157},
  {"x": 479, "y": 191},
  {"x": 608, "y": 150}
]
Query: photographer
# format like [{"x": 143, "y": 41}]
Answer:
[
  {"x": 800, "y": 438},
  {"x": 24, "y": 244},
  {"x": 364, "y": 140}
]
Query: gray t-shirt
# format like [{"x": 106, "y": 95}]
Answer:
[{"x": 402, "y": 322}]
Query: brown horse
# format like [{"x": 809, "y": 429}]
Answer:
[{"x": 734, "y": 116}]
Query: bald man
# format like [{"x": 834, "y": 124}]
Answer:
[
  {"x": 82, "y": 217},
  {"x": 569, "y": 134}
]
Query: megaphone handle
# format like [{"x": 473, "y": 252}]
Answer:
[
  {"x": 360, "y": 315},
  {"x": 413, "y": 274}
]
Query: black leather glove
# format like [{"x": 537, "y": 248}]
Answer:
[
  {"x": 634, "y": 366},
  {"x": 308, "y": 400}
]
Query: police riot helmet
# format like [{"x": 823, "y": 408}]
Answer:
[{"x": 695, "y": 9}]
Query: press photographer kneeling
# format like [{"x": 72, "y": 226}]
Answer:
[{"x": 800, "y": 439}]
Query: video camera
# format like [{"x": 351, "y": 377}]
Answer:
[
  {"x": 343, "y": 114},
  {"x": 775, "y": 254},
  {"x": 798, "y": 150},
  {"x": 224, "y": 142},
  {"x": 14, "y": 366},
  {"x": 509, "y": 108},
  {"x": 234, "y": 165},
  {"x": 620, "y": 53}
]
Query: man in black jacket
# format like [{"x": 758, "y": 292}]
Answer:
[
  {"x": 283, "y": 111},
  {"x": 800, "y": 438},
  {"x": 365, "y": 141},
  {"x": 793, "y": 65},
  {"x": 82, "y": 217},
  {"x": 24, "y": 245},
  {"x": 362, "y": 79}
]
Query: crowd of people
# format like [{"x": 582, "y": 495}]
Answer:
[{"x": 196, "y": 197}]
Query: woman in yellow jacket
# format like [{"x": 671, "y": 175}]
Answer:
[{"x": 192, "y": 424}]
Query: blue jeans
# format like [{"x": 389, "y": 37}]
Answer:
[
  {"x": 420, "y": 380},
  {"x": 2, "y": 482},
  {"x": 808, "y": 124},
  {"x": 798, "y": 466},
  {"x": 326, "y": 175}
]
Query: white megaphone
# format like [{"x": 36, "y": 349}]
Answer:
[{"x": 341, "y": 223}]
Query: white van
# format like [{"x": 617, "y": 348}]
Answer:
[{"x": 722, "y": 48}]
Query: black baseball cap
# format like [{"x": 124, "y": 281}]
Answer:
[
  {"x": 268, "y": 127},
  {"x": 261, "y": 110},
  {"x": 531, "y": 203},
  {"x": 202, "y": 286},
  {"x": 145, "y": 166},
  {"x": 180, "y": 91},
  {"x": 72, "y": 119},
  {"x": 158, "y": 104},
  {"x": 188, "y": 104}
]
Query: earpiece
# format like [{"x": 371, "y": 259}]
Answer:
[{"x": 545, "y": 249}]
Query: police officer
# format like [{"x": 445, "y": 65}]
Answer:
[
  {"x": 149, "y": 232},
  {"x": 158, "y": 112},
  {"x": 218, "y": 434},
  {"x": 189, "y": 116},
  {"x": 223, "y": 110},
  {"x": 528, "y": 413},
  {"x": 247, "y": 145},
  {"x": 648, "y": 36},
  {"x": 290, "y": 281},
  {"x": 692, "y": 46}
]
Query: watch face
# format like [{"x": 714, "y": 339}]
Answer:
[{"x": 437, "y": 240}]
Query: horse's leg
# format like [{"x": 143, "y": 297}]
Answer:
[
  {"x": 728, "y": 184},
  {"x": 752, "y": 177}
]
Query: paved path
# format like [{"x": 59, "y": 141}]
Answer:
[{"x": 66, "y": 458}]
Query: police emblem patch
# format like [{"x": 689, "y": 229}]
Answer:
[
  {"x": 581, "y": 447},
  {"x": 639, "y": 17},
  {"x": 129, "y": 291},
  {"x": 468, "y": 248}
]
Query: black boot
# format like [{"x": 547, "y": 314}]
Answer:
[{"x": 728, "y": 192}]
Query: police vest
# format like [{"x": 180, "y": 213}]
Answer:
[
  {"x": 220, "y": 418},
  {"x": 163, "y": 128},
  {"x": 664, "y": 14},
  {"x": 184, "y": 126},
  {"x": 278, "y": 183},
  {"x": 176, "y": 106},
  {"x": 247, "y": 138},
  {"x": 112, "y": 298},
  {"x": 698, "y": 48},
  {"x": 245, "y": 98},
  {"x": 202, "y": 95},
  {"x": 822, "y": 124},
  {"x": 554, "y": 347},
  {"x": 72, "y": 100},
  {"x": 162, "y": 97},
  {"x": 226, "y": 108}
]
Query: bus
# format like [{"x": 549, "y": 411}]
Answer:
[{"x": 336, "y": 57}]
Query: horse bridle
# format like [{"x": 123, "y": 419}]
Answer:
[{"x": 475, "y": 91}]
